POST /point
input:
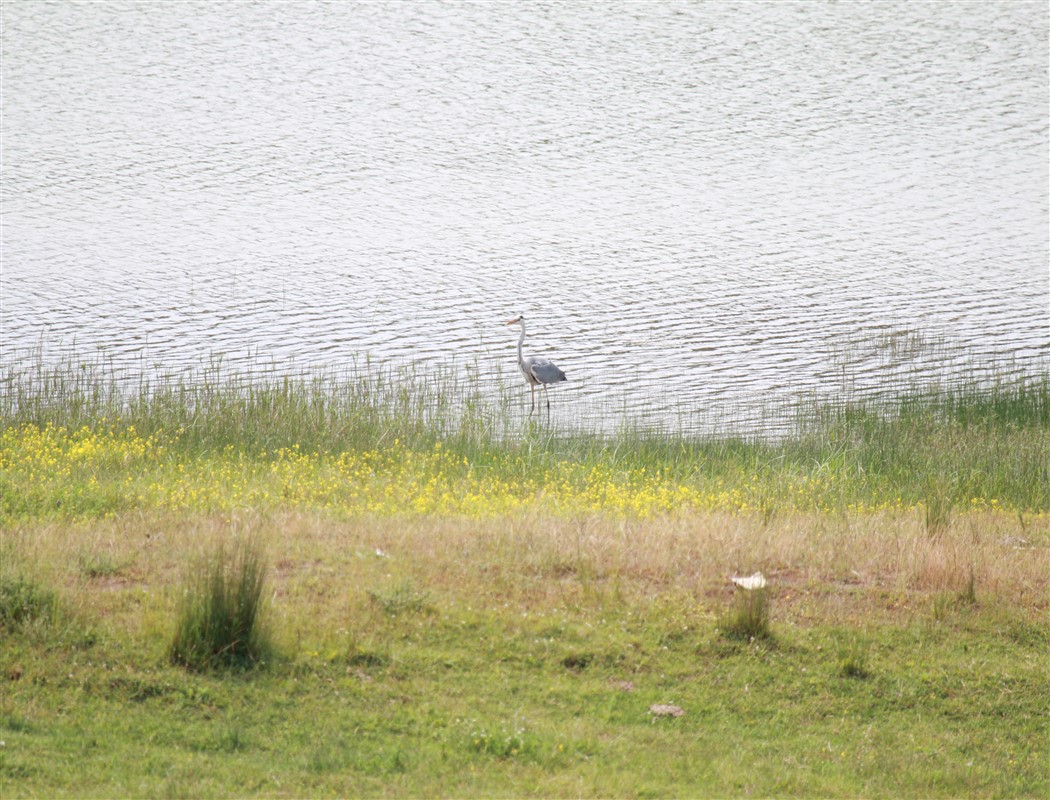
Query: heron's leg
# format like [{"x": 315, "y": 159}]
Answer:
[
  {"x": 532, "y": 398},
  {"x": 547, "y": 396}
]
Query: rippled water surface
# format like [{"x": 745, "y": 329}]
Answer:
[{"x": 696, "y": 205}]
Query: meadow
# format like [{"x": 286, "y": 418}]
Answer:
[{"x": 453, "y": 604}]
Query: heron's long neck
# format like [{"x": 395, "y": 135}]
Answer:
[{"x": 521, "y": 340}]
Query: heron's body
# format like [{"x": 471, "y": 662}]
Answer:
[{"x": 537, "y": 371}]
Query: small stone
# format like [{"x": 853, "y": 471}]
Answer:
[{"x": 665, "y": 710}]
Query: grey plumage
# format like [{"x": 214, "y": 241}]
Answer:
[{"x": 537, "y": 371}]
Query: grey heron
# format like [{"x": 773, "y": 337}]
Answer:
[{"x": 537, "y": 371}]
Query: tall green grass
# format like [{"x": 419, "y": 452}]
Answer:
[
  {"x": 941, "y": 448},
  {"x": 749, "y": 619},
  {"x": 220, "y": 614},
  {"x": 255, "y": 409}
]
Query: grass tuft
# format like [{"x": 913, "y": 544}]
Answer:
[
  {"x": 852, "y": 660},
  {"x": 100, "y": 565},
  {"x": 25, "y": 601},
  {"x": 942, "y": 606},
  {"x": 937, "y": 507},
  {"x": 749, "y": 618},
  {"x": 403, "y": 598},
  {"x": 969, "y": 594},
  {"x": 503, "y": 742},
  {"x": 219, "y": 623}
]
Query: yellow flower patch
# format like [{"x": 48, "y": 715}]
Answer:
[{"x": 55, "y": 471}]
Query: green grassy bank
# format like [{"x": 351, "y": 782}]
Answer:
[
  {"x": 78, "y": 444},
  {"x": 442, "y": 606},
  {"x": 434, "y": 657}
]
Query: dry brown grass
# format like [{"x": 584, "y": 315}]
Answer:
[{"x": 822, "y": 568}]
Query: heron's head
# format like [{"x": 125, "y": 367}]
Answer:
[{"x": 516, "y": 320}]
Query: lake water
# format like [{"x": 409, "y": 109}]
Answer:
[{"x": 699, "y": 207}]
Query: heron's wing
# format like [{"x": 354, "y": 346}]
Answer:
[{"x": 544, "y": 371}]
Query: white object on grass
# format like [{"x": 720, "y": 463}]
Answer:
[{"x": 751, "y": 582}]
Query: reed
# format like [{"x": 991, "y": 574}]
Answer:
[
  {"x": 937, "y": 450},
  {"x": 255, "y": 409}
]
